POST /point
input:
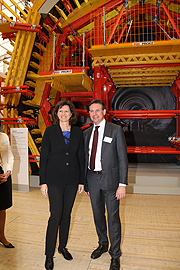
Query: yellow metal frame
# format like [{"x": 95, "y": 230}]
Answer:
[
  {"x": 162, "y": 52},
  {"x": 136, "y": 48},
  {"x": 73, "y": 81},
  {"x": 17, "y": 71},
  {"x": 12, "y": 11}
]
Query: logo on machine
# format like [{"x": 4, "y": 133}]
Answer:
[
  {"x": 65, "y": 71},
  {"x": 143, "y": 43}
]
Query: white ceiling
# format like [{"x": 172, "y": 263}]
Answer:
[{"x": 5, "y": 44}]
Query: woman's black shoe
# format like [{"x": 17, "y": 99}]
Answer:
[
  {"x": 65, "y": 253},
  {"x": 7, "y": 246},
  {"x": 49, "y": 264}
]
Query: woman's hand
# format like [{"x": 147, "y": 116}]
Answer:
[
  {"x": 4, "y": 177},
  {"x": 80, "y": 189},
  {"x": 87, "y": 193},
  {"x": 44, "y": 190},
  {"x": 7, "y": 174}
]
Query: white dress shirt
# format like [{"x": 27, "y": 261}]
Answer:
[{"x": 101, "y": 125}]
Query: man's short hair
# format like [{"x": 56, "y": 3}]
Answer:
[{"x": 97, "y": 101}]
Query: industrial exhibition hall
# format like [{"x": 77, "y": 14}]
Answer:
[{"x": 127, "y": 54}]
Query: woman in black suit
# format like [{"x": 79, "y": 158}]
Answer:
[{"x": 61, "y": 175}]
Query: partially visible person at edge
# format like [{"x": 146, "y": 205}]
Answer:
[
  {"x": 106, "y": 180},
  {"x": 61, "y": 175},
  {"x": 6, "y": 166}
]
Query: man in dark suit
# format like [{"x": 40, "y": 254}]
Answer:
[{"x": 106, "y": 180}]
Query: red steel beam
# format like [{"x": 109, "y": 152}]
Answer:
[
  {"x": 152, "y": 150},
  {"x": 44, "y": 104},
  {"x": 25, "y": 24},
  {"x": 144, "y": 117},
  {"x": 77, "y": 94},
  {"x": 10, "y": 35},
  {"x": 86, "y": 126},
  {"x": 67, "y": 8},
  {"x": 42, "y": 36},
  {"x": 146, "y": 114},
  {"x": 55, "y": 26},
  {"x": 69, "y": 4},
  {"x": 18, "y": 121},
  {"x": 50, "y": 22},
  {"x": 34, "y": 158},
  {"x": 122, "y": 32},
  {"x": 24, "y": 92},
  {"x": 2, "y": 106},
  {"x": 85, "y": 101},
  {"x": 170, "y": 18},
  {"x": 116, "y": 24},
  {"x": 144, "y": 111},
  {"x": 176, "y": 91},
  {"x": 176, "y": 86},
  {"x": 25, "y": 27},
  {"x": 14, "y": 87},
  {"x": 24, "y": 89}
]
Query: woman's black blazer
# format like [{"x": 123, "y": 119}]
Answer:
[{"x": 59, "y": 163}]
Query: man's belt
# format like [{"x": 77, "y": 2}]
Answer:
[{"x": 97, "y": 172}]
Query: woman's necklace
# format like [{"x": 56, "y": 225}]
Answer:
[{"x": 68, "y": 128}]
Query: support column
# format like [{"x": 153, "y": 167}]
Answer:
[
  {"x": 104, "y": 87},
  {"x": 176, "y": 90},
  {"x": 98, "y": 93}
]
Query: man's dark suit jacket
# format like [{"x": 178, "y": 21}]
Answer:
[
  {"x": 60, "y": 163},
  {"x": 113, "y": 157}
]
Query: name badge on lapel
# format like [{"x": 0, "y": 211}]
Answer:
[{"x": 107, "y": 139}]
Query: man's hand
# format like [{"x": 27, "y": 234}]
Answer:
[
  {"x": 121, "y": 192},
  {"x": 44, "y": 190},
  {"x": 80, "y": 189}
]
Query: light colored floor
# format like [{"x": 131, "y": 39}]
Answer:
[{"x": 150, "y": 234}]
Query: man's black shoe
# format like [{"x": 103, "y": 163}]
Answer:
[
  {"x": 115, "y": 264},
  {"x": 67, "y": 255},
  {"x": 99, "y": 251},
  {"x": 49, "y": 264}
]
